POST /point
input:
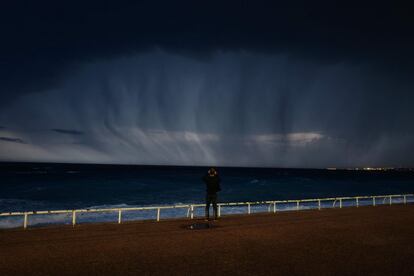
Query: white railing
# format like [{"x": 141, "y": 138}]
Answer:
[{"x": 272, "y": 206}]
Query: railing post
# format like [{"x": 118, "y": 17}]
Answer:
[
  {"x": 357, "y": 202},
  {"x": 274, "y": 207},
  {"x": 119, "y": 216},
  {"x": 319, "y": 204},
  {"x": 297, "y": 205},
  {"x": 219, "y": 210},
  {"x": 158, "y": 214},
  {"x": 373, "y": 201},
  {"x": 25, "y": 221},
  {"x": 248, "y": 208},
  {"x": 390, "y": 200},
  {"x": 73, "y": 218},
  {"x": 340, "y": 203},
  {"x": 191, "y": 211},
  {"x": 405, "y": 199}
]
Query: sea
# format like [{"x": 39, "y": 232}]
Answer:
[{"x": 46, "y": 186}]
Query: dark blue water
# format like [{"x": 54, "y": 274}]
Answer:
[{"x": 25, "y": 187}]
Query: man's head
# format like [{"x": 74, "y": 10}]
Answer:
[{"x": 212, "y": 172}]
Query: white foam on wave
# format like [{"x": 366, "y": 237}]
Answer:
[
  {"x": 34, "y": 220},
  {"x": 110, "y": 206}
]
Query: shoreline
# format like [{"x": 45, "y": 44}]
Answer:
[{"x": 172, "y": 210}]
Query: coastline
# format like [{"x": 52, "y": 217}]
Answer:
[{"x": 365, "y": 240}]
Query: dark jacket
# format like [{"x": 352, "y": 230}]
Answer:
[{"x": 212, "y": 183}]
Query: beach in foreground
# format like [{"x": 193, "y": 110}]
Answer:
[{"x": 366, "y": 240}]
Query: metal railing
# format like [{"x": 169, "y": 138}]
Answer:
[{"x": 272, "y": 206}]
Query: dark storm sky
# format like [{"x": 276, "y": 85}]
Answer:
[{"x": 242, "y": 83}]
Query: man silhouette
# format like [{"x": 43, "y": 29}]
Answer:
[{"x": 212, "y": 181}]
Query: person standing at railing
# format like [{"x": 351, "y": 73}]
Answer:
[{"x": 212, "y": 181}]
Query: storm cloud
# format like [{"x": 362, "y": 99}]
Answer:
[
  {"x": 67, "y": 131},
  {"x": 12, "y": 140},
  {"x": 238, "y": 85}
]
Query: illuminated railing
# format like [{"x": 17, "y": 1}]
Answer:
[{"x": 272, "y": 206}]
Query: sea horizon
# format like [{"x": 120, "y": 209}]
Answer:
[{"x": 22, "y": 163}]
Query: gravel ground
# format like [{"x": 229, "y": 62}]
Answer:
[{"x": 358, "y": 241}]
